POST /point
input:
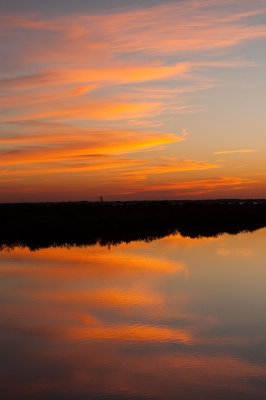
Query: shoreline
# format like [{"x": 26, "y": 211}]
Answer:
[{"x": 40, "y": 225}]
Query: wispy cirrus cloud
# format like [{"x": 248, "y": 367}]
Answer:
[
  {"x": 113, "y": 75},
  {"x": 166, "y": 167},
  {"x": 173, "y": 27},
  {"x": 235, "y": 151},
  {"x": 86, "y": 110},
  {"x": 191, "y": 187},
  {"x": 117, "y": 155},
  {"x": 100, "y": 50},
  {"x": 144, "y": 68},
  {"x": 51, "y": 147}
]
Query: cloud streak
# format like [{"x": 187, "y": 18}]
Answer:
[
  {"x": 145, "y": 68},
  {"x": 235, "y": 151}
]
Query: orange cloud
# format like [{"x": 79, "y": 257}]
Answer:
[
  {"x": 201, "y": 25},
  {"x": 47, "y": 95},
  {"x": 171, "y": 166},
  {"x": 59, "y": 147},
  {"x": 193, "y": 187},
  {"x": 50, "y": 168},
  {"x": 234, "y": 151},
  {"x": 109, "y": 110},
  {"x": 76, "y": 76},
  {"x": 132, "y": 68}
]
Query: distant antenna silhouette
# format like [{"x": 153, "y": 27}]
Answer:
[{"x": 101, "y": 199}]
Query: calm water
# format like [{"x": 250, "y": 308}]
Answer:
[{"x": 177, "y": 318}]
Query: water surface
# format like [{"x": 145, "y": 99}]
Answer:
[{"x": 177, "y": 318}]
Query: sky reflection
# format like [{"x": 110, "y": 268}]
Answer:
[{"x": 177, "y": 317}]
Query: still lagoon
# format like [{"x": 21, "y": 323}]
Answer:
[{"x": 174, "y": 318}]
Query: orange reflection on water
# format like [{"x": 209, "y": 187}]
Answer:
[{"x": 167, "y": 319}]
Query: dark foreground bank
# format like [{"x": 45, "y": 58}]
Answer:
[{"x": 38, "y": 225}]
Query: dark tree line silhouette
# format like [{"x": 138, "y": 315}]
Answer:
[{"x": 38, "y": 225}]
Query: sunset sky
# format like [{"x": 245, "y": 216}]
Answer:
[{"x": 132, "y": 99}]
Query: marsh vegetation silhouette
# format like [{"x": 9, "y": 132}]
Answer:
[{"x": 39, "y": 225}]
